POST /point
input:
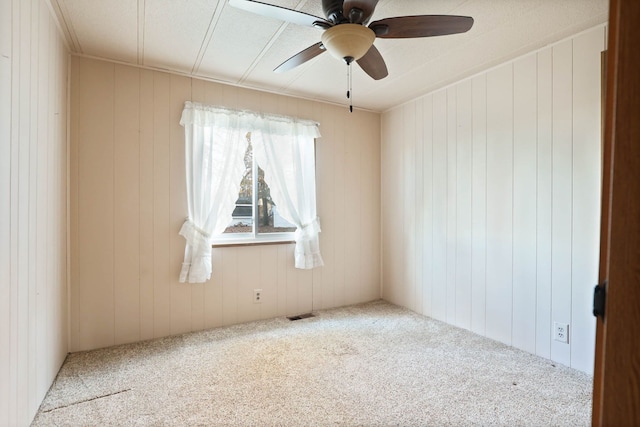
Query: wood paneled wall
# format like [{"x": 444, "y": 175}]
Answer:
[
  {"x": 128, "y": 203},
  {"x": 491, "y": 200},
  {"x": 33, "y": 179}
]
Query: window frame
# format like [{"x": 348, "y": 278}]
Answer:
[{"x": 253, "y": 238}]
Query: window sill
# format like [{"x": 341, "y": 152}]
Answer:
[{"x": 226, "y": 243}]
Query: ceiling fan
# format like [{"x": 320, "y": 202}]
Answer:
[{"x": 346, "y": 34}]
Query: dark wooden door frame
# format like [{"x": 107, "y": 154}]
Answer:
[{"x": 616, "y": 391}]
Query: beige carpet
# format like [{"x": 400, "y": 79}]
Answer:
[{"x": 370, "y": 364}]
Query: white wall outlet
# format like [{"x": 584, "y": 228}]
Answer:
[
  {"x": 561, "y": 332},
  {"x": 257, "y": 296}
]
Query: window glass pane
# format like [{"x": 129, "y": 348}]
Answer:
[
  {"x": 268, "y": 219},
  {"x": 242, "y": 221}
]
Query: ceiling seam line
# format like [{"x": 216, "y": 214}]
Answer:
[
  {"x": 267, "y": 47},
  {"x": 141, "y": 30},
  {"x": 204, "y": 46}
]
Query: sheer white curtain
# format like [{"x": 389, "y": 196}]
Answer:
[
  {"x": 285, "y": 150},
  {"x": 215, "y": 143}
]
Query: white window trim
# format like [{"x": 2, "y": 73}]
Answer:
[{"x": 249, "y": 239}]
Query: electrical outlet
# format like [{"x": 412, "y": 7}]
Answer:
[
  {"x": 257, "y": 296},
  {"x": 561, "y": 332}
]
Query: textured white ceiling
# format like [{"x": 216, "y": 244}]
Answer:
[{"x": 210, "y": 39}]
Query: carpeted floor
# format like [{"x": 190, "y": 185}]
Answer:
[{"x": 365, "y": 365}]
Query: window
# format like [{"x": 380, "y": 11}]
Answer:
[
  {"x": 255, "y": 215},
  {"x": 222, "y": 177}
]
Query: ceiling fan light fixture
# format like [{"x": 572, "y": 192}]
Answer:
[{"x": 348, "y": 41}]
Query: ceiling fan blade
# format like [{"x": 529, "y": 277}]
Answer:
[
  {"x": 281, "y": 13},
  {"x": 373, "y": 64},
  {"x": 421, "y": 26},
  {"x": 359, "y": 11},
  {"x": 301, "y": 57}
]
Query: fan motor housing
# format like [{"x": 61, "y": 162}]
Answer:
[{"x": 333, "y": 10}]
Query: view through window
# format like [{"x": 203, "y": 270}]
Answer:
[{"x": 254, "y": 192}]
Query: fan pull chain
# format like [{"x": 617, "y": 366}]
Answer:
[{"x": 349, "y": 88}]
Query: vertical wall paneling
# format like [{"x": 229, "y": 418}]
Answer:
[
  {"x": 451, "y": 204},
  {"x": 325, "y": 203},
  {"x": 282, "y": 295},
  {"x": 146, "y": 204},
  {"x": 562, "y": 210},
  {"x": 408, "y": 222},
  {"x": 478, "y": 203},
  {"x": 213, "y": 293},
  {"x": 524, "y": 203},
  {"x": 74, "y": 206},
  {"x": 292, "y": 289},
  {"x": 419, "y": 206},
  {"x": 126, "y": 245},
  {"x": 230, "y": 286},
  {"x": 23, "y": 189},
  {"x": 43, "y": 223},
  {"x": 162, "y": 271},
  {"x": 427, "y": 203},
  {"x": 33, "y": 207},
  {"x": 248, "y": 280},
  {"x": 392, "y": 216},
  {"x": 510, "y": 185},
  {"x": 387, "y": 170},
  {"x": 339, "y": 201},
  {"x": 134, "y": 165},
  {"x": 499, "y": 203},
  {"x": 298, "y": 285},
  {"x": 439, "y": 206},
  {"x": 96, "y": 204},
  {"x": 6, "y": 209},
  {"x": 353, "y": 197},
  {"x": 544, "y": 194},
  {"x": 303, "y": 281},
  {"x": 586, "y": 193},
  {"x": 463, "y": 205},
  {"x": 269, "y": 281},
  {"x": 371, "y": 202},
  {"x": 36, "y": 144}
]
